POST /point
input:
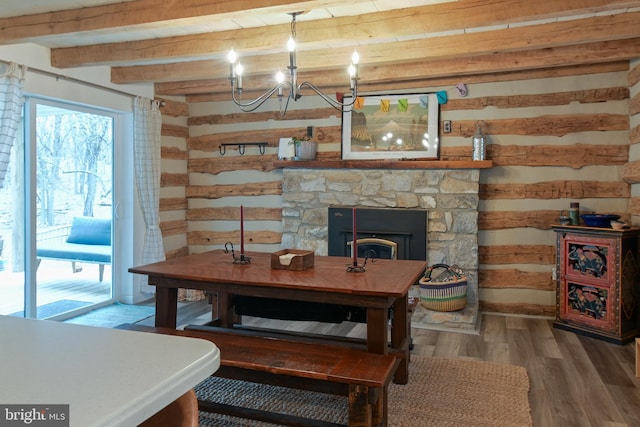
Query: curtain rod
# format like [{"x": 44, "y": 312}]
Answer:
[{"x": 76, "y": 80}]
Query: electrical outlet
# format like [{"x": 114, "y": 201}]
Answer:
[
  {"x": 446, "y": 126},
  {"x": 554, "y": 274}
]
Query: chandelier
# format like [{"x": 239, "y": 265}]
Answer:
[{"x": 291, "y": 87}]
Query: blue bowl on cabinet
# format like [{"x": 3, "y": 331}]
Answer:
[{"x": 598, "y": 220}]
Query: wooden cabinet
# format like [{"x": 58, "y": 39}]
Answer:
[{"x": 598, "y": 289}]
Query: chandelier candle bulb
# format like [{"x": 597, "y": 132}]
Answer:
[
  {"x": 353, "y": 68},
  {"x": 355, "y": 58},
  {"x": 291, "y": 45},
  {"x": 239, "y": 71},
  {"x": 352, "y": 74},
  {"x": 279, "y": 80},
  {"x": 232, "y": 63}
]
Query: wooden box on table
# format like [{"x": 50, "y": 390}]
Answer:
[{"x": 292, "y": 259}]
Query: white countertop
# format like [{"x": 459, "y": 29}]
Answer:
[{"x": 109, "y": 377}]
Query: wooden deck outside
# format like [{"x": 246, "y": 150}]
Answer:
[{"x": 56, "y": 282}]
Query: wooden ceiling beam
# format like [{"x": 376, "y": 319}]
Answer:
[
  {"x": 519, "y": 39},
  {"x": 140, "y": 13},
  {"x": 363, "y": 29},
  {"x": 565, "y": 56},
  {"x": 452, "y": 80}
]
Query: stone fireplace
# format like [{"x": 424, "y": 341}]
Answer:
[{"x": 449, "y": 195}]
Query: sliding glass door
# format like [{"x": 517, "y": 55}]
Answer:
[{"x": 56, "y": 214}]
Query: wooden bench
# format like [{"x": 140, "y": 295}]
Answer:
[{"x": 362, "y": 377}]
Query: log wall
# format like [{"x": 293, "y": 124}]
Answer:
[
  {"x": 632, "y": 170},
  {"x": 174, "y": 178},
  {"x": 554, "y": 137}
]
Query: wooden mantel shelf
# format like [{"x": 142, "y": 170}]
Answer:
[{"x": 384, "y": 164}]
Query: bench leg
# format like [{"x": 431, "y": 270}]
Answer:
[
  {"x": 401, "y": 337},
  {"x": 360, "y": 414},
  {"x": 101, "y": 272},
  {"x": 380, "y": 405}
]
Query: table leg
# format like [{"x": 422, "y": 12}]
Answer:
[
  {"x": 401, "y": 337},
  {"x": 377, "y": 322},
  {"x": 166, "y": 307},
  {"x": 213, "y": 299},
  {"x": 225, "y": 310}
]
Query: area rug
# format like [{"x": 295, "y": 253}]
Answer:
[
  {"x": 441, "y": 392},
  {"x": 114, "y": 315},
  {"x": 54, "y": 308}
]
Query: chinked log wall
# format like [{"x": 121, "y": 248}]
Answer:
[
  {"x": 632, "y": 170},
  {"x": 555, "y": 137}
]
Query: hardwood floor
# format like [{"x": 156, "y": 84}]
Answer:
[{"x": 575, "y": 380}]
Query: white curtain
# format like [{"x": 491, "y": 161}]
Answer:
[
  {"x": 148, "y": 123},
  {"x": 11, "y": 102}
]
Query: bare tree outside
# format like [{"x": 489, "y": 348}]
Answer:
[{"x": 73, "y": 159}]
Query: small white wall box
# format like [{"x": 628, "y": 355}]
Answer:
[{"x": 286, "y": 150}]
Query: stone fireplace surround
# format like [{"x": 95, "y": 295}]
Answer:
[{"x": 449, "y": 195}]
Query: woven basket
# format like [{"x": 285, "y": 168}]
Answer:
[{"x": 447, "y": 291}]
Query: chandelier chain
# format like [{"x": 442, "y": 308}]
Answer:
[{"x": 293, "y": 26}]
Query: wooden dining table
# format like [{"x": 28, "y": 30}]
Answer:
[{"x": 383, "y": 285}]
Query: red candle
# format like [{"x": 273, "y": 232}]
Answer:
[
  {"x": 355, "y": 245},
  {"x": 241, "y": 230}
]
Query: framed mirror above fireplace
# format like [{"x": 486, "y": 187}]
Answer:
[{"x": 398, "y": 126}]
